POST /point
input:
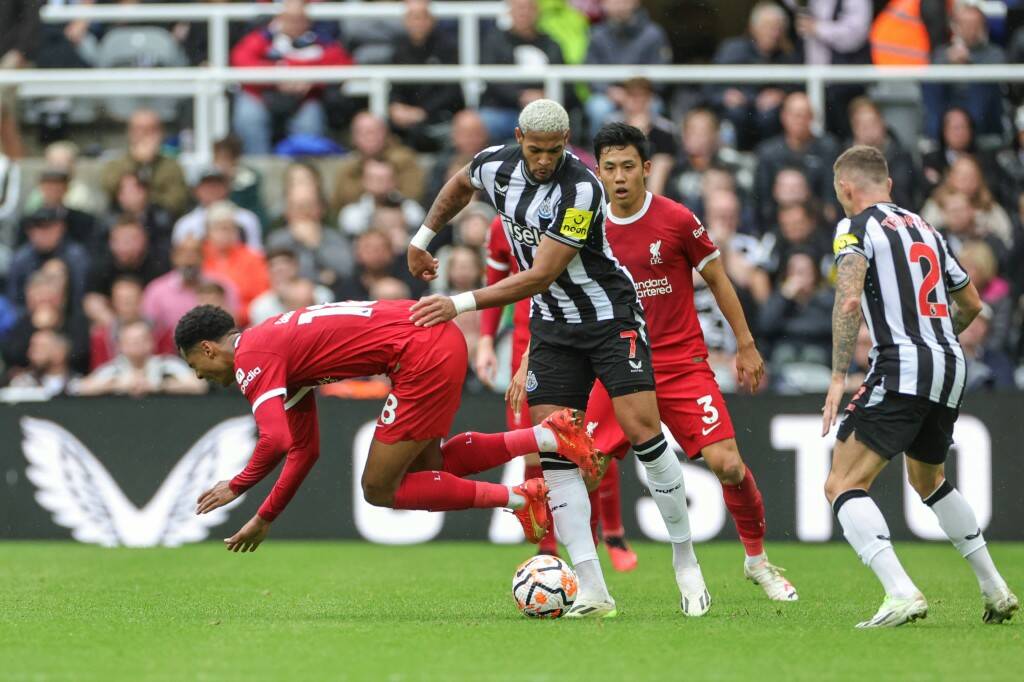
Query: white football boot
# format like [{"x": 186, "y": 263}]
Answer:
[
  {"x": 770, "y": 578},
  {"x": 583, "y": 608},
  {"x": 694, "y": 598},
  {"x": 999, "y": 605},
  {"x": 896, "y": 611}
]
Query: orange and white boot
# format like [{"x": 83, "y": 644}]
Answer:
[{"x": 534, "y": 514}]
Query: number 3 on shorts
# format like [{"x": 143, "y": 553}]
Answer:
[
  {"x": 387, "y": 415},
  {"x": 710, "y": 411}
]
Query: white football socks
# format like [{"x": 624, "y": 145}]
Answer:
[
  {"x": 960, "y": 525},
  {"x": 867, "y": 532},
  {"x": 546, "y": 440},
  {"x": 570, "y": 508},
  {"x": 665, "y": 481},
  {"x": 515, "y": 500}
]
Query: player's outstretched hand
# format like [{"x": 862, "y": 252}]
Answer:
[
  {"x": 749, "y": 367},
  {"x": 830, "y": 412},
  {"x": 217, "y": 496},
  {"x": 516, "y": 392},
  {"x": 421, "y": 264},
  {"x": 432, "y": 310},
  {"x": 486, "y": 364},
  {"x": 249, "y": 538}
]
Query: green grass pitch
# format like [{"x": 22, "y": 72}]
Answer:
[{"x": 351, "y": 611}]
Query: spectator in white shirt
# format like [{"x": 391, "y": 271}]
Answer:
[{"x": 213, "y": 186}]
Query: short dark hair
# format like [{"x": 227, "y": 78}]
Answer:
[
  {"x": 230, "y": 145},
  {"x": 619, "y": 134},
  {"x": 202, "y": 323},
  {"x": 281, "y": 252}
]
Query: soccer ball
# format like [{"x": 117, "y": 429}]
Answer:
[{"x": 544, "y": 587}]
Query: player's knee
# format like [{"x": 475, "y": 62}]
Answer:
[
  {"x": 378, "y": 495},
  {"x": 727, "y": 465},
  {"x": 925, "y": 482},
  {"x": 834, "y": 486}
]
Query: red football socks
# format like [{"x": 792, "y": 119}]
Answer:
[
  {"x": 610, "y": 501},
  {"x": 441, "y": 491},
  {"x": 747, "y": 508},
  {"x": 471, "y": 452}
]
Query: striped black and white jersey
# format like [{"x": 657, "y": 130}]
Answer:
[
  {"x": 906, "y": 303},
  {"x": 569, "y": 208}
]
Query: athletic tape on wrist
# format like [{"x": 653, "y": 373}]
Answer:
[
  {"x": 464, "y": 302},
  {"x": 423, "y": 237}
]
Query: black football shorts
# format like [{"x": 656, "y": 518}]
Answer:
[
  {"x": 565, "y": 359},
  {"x": 890, "y": 423}
]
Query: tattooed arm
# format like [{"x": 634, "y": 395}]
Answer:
[
  {"x": 453, "y": 197},
  {"x": 845, "y": 327},
  {"x": 846, "y": 312},
  {"x": 967, "y": 305}
]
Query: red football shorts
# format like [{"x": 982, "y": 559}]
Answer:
[
  {"x": 690, "y": 405},
  {"x": 426, "y": 389}
]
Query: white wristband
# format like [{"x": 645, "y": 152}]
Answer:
[
  {"x": 421, "y": 240},
  {"x": 464, "y": 302}
]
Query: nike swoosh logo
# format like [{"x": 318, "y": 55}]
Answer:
[
  {"x": 971, "y": 537},
  {"x": 710, "y": 429}
]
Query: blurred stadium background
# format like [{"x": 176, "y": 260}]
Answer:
[{"x": 266, "y": 156}]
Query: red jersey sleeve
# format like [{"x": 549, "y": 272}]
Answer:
[
  {"x": 499, "y": 266},
  {"x": 261, "y": 378},
  {"x": 696, "y": 244},
  {"x": 303, "y": 453}
]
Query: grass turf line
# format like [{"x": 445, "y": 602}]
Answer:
[{"x": 353, "y": 611}]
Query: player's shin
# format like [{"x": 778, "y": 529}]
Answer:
[
  {"x": 867, "y": 532},
  {"x": 665, "y": 476},
  {"x": 441, "y": 491},
  {"x": 960, "y": 525},
  {"x": 471, "y": 452},
  {"x": 746, "y": 506},
  {"x": 570, "y": 506}
]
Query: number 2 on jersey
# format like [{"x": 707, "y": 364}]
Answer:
[
  {"x": 360, "y": 308},
  {"x": 922, "y": 252}
]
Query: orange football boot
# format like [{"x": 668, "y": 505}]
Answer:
[
  {"x": 534, "y": 514},
  {"x": 574, "y": 443}
]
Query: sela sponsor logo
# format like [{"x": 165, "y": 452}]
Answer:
[
  {"x": 527, "y": 236},
  {"x": 653, "y": 287},
  {"x": 656, "y": 253},
  {"x": 244, "y": 382}
]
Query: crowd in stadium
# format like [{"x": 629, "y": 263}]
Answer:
[{"x": 97, "y": 270}]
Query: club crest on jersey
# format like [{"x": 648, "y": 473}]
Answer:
[
  {"x": 544, "y": 210},
  {"x": 576, "y": 224},
  {"x": 531, "y": 382},
  {"x": 656, "y": 253}
]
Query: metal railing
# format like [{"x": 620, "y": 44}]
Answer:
[{"x": 208, "y": 85}]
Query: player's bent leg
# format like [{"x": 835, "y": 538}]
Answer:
[
  {"x": 959, "y": 523},
  {"x": 746, "y": 506},
  {"x": 637, "y": 414},
  {"x": 854, "y": 468},
  {"x": 562, "y": 431}
]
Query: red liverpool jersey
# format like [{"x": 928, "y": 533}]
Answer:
[
  {"x": 660, "y": 246},
  {"x": 320, "y": 344}
]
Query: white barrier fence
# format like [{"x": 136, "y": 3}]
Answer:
[{"x": 208, "y": 86}]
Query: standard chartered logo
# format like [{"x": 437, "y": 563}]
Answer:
[{"x": 653, "y": 287}]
